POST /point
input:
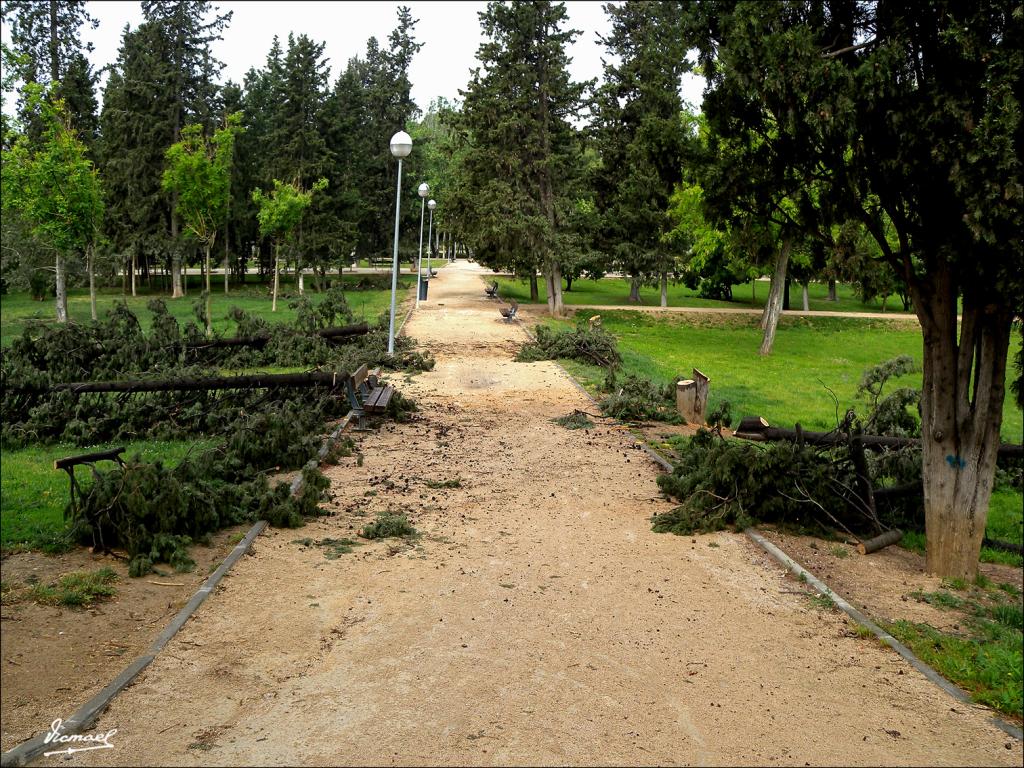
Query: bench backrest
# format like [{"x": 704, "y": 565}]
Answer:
[{"x": 360, "y": 375}]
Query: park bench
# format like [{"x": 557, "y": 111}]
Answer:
[
  {"x": 509, "y": 312},
  {"x": 68, "y": 465},
  {"x": 492, "y": 289},
  {"x": 366, "y": 394}
]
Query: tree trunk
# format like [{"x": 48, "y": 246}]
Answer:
[
  {"x": 302, "y": 285},
  {"x": 90, "y": 265},
  {"x": 806, "y": 298},
  {"x": 54, "y": 47},
  {"x": 534, "y": 289},
  {"x": 176, "y": 290},
  {"x": 664, "y": 289},
  {"x": 556, "y": 285},
  {"x": 206, "y": 269},
  {"x": 277, "y": 270},
  {"x": 773, "y": 307},
  {"x": 568, "y": 283},
  {"x": 62, "y": 290},
  {"x": 549, "y": 289},
  {"x": 135, "y": 261},
  {"x": 785, "y": 294},
  {"x": 959, "y": 425},
  {"x": 634, "y": 290},
  {"x": 832, "y": 291},
  {"x": 227, "y": 263}
]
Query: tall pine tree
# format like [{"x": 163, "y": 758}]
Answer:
[
  {"x": 521, "y": 156},
  {"x": 640, "y": 136}
]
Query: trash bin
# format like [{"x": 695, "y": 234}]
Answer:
[{"x": 423, "y": 289}]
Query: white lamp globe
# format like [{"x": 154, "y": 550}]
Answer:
[
  {"x": 401, "y": 144},
  {"x": 431, "y": 204},
  {"x": 424, "y": 189}
]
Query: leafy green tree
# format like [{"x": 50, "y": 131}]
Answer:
[
  {"x": 280, "y": 213},
  {"x": 185, "y": 83},
  {"x": 199, "y": 172},
  {"x": 55, "y": 188},
  {"x": 520, "y": 159},
  {"x": 640, "y": 136},
  {"x": 908, "y": 119}
]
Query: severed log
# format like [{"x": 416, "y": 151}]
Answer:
[
  {"x": 1005, "y": 546},
  {"x": 757, "y": 429},
  {"x": 880, "y": 542},
  {"x": 330, "y": 334},
  {"x": 251, "y": 381},
  {"x": 113, "y": 454},
  {"x": 754, "y": 426}
]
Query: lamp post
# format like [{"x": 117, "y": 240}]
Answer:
[
  {"x": 401, "y": 146},
  {"x": 424, "y": 190},
  {"x": 431, "y": 204}
]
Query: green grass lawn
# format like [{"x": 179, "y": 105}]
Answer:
[
  {"x": 18, "y": 309},
  {"x": 751, "y": 295},
  {"x": 788, "y": 386},
  {"x": 811, "y": 357},
  {"x": 33, "y": 494}
]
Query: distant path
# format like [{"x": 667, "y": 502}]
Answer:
[
  {"x": 537, "y": 621},
  {"x": 905, "y": 316}
]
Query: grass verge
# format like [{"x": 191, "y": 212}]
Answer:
[
  {"x": 33, "y": 494},
  {"x": 19, "y": 310},
  {"x": 984, "y": 653}
]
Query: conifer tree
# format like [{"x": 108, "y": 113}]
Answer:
[
  {"x": 189, "y": 83},
  {"x": 640, "y": 136},
  {"x": 47, "y": 35},
  {"x": 521, "y": 154}
]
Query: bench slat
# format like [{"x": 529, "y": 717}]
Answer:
[{"x": 378, "y": 399}]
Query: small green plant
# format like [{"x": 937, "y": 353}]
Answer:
[
  {"x": 982, "y": 581},
  {"x": 77, "y": 589},
  {"x": 823, "y": 602},
  {"x": 955, "y": 583},
  {"x": 575, "y": 420},
  {"x": 863, "y": 632},
  {"x": 388, "y": 525},
  {"x": 454, "y": 482},
  {"x": 838, "y": 550},
  {"x": 1010, "y": 589},
  {"x": 940, "y": 599},
  {"x": 1010, "y": 616},
  {"x": 335, "y": 548}
]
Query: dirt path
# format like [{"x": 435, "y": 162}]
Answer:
[{"x": 536, "y": 621}]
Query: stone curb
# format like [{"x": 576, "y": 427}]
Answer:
[
  {"x": 840, "y": 602},
  {"x": 883, "y": 636},
  {"x": 86, "y": 715}
]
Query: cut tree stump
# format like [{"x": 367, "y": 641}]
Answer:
[{"x": 692, "y": 397}]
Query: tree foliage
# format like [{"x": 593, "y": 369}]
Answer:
[{"x": 906, "y": 119}]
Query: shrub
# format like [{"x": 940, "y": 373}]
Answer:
[{"x": 388, "y": 525}]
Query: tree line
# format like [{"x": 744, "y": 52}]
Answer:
[{"x": 871, "y": 142}]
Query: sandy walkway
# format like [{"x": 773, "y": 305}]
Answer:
[{"x": 537, "y": 620}]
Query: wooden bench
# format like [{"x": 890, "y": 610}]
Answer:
[
  {"x": 366, "y": 394},
  {"x": 509, "y": 312},
  {"x": 492, "y": 289},
  {"x": 68, "y": 465}
]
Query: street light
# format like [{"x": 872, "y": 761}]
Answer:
[
  {"x": 401, "y": 146},
  {"x": 424, "y": 190},
  {"x": 431, "y": 204}
]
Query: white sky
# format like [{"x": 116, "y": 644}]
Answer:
[{"x": 450, "y": 32}]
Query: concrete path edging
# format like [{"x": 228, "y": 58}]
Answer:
[
  {"x": 883, "y": 636},
  {"x": 86, "y": 715}
]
